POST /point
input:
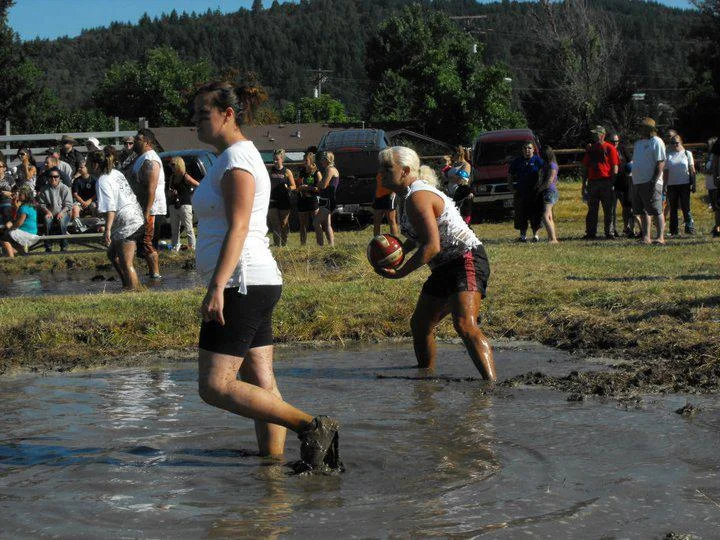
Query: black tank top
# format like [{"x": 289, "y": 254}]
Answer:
[{"x": 279, "y": 184}]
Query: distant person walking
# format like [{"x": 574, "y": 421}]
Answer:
[
  {"x": 647, "y": 177},
  {"x": 149, "y": 187},
  {"x": 680, "y": 180},
  {"x": 124, "y": 219},
  {"x": 600, "y": 165},
  {"x": 244, "y": 283}
]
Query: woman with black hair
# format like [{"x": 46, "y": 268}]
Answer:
[{"x": 244, "y": 283}]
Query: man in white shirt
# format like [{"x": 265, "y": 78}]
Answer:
[
  {"x": 149, "y": 186},
  {"x": 647, "y": 178}
]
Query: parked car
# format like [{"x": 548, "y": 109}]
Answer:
[
  {"x": 493, "y": 151},
  {"x": 356, "y": 157}
]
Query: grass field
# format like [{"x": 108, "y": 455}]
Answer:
[{"x": 645, "y": 305}]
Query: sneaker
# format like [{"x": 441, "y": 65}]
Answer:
[
  {"x": 319, "y": 444},
  {"x": 535, "y": 239},
  {"x": 522, "y": 239},
  {"x": 690, "y": 230},
  {"x": 155, "y": 276}
]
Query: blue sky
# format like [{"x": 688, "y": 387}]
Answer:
[{"x": 55, "y": 18}]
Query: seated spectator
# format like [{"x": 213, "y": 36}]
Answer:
[
  {"x": 21, "y": 233},
  {"x": 43, "y": 177},
  {"x": 84, "y": 196},
  {"x": 7, "y": 183},
  {"x": 69, "y": 154},
  {"x": 55, "y": 205},
  {"x": 64, "y": 167},
  {"x": 26, "y": 171},
  {"x": 93, "y": 145},
  {"x": 127, "y": 157}
]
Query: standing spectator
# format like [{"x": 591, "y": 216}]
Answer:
[
  {"x": 715, "y": 175},
  {"x": 647, "y": 178},
  {"x": 65, "y": 168},
  {"x": 309, "y": 178},
  {"x": 21, "y": 233},
  {"x": 93, "y": 145},
  {"x": 622, "y": 189},
  {"x": 69, "y": 154},
  {"x": 180, "y": 190},
  {"x": 26, "y": 171},
  {"x": 7, "y": 183},
  {"x": 680, "y": 180},
  {"x": 459, "y": 183},
  {"x": 127, "y": 157},
  {"x": 123, "y": 216},
  {"x": 327, "y": 188},
  {"x": 149, "y": 187},
  {"x": 384, "y": 206},
  {"x": 523, "y": 180},
  {"x": 84, "y": 193},
  {"x": 547, "y": 191},
  {"x": 55, "y": 205},
  {"x": 282, "y": 183},
  {"x": 600, "y": 167}
]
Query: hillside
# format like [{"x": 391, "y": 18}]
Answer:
[{"x": 286, "y": 42}]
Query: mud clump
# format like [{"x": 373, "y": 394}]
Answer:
[{"x": 688, "y": 410}]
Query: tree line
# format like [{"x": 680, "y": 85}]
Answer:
[{"x": 559, "y": 67}]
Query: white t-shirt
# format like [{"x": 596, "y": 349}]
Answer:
[
  {"x": 678, "y": 167},
  {"x": 646, "y": 154},
  {"x": 256, "y": 265},
  {"x": 159, "y": 207},
  {"x": 114, "y": 194}
]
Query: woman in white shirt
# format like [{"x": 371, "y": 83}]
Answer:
[
  {"x": 244, "y": 283},
  {"x": 456, "y": 257},
  {"x": 680, "y": 174},
  {"x": 124, "y": 220}
]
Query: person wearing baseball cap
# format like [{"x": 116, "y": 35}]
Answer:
[
  {"x": 93, "y": 145},
  {"x": 600, "y": 168},
  {"x": 648, "y": 164}
]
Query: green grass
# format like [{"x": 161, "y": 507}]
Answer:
[{"x": 617, "y": 298}]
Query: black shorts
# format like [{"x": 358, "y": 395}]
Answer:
[
  {"x": 248, "y": 321},
  {"x": 469, "y": 272},
  {"x": 384, "y": 203},
  {"x": 307, "y": 204}
]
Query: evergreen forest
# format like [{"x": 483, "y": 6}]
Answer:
[{"x": 556, "y": 66}]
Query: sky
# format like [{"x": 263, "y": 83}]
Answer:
[{"x": 49, "y": 19}]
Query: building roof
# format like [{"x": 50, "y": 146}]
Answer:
[{"x": 267, "y": 137}]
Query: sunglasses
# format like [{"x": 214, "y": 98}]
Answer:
[
  {"x": 128, "y": 143},
  {"x": 22, "y": 154},
  {"x": 54, "y": 176}
]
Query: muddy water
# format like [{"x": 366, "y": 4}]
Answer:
[
  {"x": 134, "y": 453},
  {"x": 91, "y": 282}
]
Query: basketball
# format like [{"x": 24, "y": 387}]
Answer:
[{"x": 385, "y": 251}]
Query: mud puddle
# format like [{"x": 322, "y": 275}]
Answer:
[{"x": 134, "y": 453}]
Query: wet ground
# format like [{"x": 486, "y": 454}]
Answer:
[
  {"x": 76, "y": 281},
  {"x": 134, "y": 453}
]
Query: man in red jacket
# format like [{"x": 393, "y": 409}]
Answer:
[{"x": 600, "y": 167}]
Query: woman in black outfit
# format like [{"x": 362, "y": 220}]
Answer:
[{"x": 282, "y": 183}]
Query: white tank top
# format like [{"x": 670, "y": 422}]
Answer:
[
  {"x": 456, "y": 237},
  {"x": 256, "y": 265}
]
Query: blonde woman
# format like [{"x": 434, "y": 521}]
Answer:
[
  {"x": 456, "y": 257},
  {"x": 328, "y": 187},
  {"x": 282, "y": 182},
  {"x": 180, "y": 192}
]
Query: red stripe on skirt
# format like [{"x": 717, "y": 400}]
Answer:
[{"x": 470, "y": 271}]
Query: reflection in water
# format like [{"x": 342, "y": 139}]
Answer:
[{"x": 89, "y": 281}]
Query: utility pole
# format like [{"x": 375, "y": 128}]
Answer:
[{"x": 320, "y": 78}]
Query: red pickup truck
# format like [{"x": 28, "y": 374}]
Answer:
[{"x": 493, "y": 151}]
